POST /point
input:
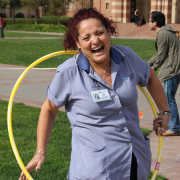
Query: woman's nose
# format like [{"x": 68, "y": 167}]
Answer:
[{"x": 94, "y": 39}]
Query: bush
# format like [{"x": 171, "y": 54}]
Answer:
[
  {"x": 37, "y": 27},
  {"x": 54, "y": 20},
  {"x": 43, "y": 20}
]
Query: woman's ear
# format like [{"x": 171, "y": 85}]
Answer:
[{"x": 78, "y": 45}]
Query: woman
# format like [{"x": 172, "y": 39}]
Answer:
[
  {"x": 136, "y": 15},
  {"x": 107, "y": 142}
]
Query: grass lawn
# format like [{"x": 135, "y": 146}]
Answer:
[
  {"x": 24, "y": 121},
  {"x": 26, "y": 51},
  {"x": 17, "y": 34}
]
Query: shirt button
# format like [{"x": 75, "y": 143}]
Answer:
[
  {"x": 137, "y": 160},
  {"x": 130, "y": 144},
  {"x": 125, "y": 128},
  {"x": 116, "y": 97},
  {"x": 120, "y": 112}
]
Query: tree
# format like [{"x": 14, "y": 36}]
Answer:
[
  {"x": 3, "y": 4},
  {"x": 57, "y": 7},
  {"x": 83, "y": 3},
  {"x": 15, "y": 4},
  {"x": 34, "y": 5}
]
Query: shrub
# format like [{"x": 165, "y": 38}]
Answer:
[
  {"x": 43, "y": 20},
  {"x": 37, "y": 27}
]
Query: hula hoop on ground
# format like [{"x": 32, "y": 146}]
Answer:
[{"x": 10, "y": 105}]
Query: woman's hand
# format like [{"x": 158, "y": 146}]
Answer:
[
  {"x": 162, "y": 122},
  {"x": 36, "y": 163}
]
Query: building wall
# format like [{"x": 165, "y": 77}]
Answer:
[
  {"x": 175, "y": 11},
  {"x": 165, "y": 6},
  {"x": 25, "y": 11},
  {"x": 178, "y": 12},
  {"x": 144, "y": 8},
  {"x": 120, "y": 10}
]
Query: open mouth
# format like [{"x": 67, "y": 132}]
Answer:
[{"x": 98, "y": 49}]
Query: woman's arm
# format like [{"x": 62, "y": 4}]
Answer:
[
  {"x": 156, "y": 90},
  {"x": 45, "y": 125}
]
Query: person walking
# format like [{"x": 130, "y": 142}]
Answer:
[
  {"x": 167, "y": 57},
  {"x": 2, "y": 25},
  {"x": 107, "y": 142}
]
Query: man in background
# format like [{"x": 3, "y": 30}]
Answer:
[
  {"x": 167, "y": 57},
  {"x": 2, "y": 25}
]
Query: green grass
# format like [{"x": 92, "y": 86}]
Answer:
[
  {"x": 24, "y": 121},
  {"x": 26, "y": 51},
  {"x": 17, "y": 34},
  {"x": 146, "y": 131},
  {"x": 143, "y": 47}
]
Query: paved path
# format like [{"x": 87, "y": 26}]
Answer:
[{"x": 32, "y": 92}]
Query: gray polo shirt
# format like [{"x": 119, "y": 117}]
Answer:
[{"x": 104, "y": 134}]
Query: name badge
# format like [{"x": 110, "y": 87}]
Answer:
[{"x": 100, "y": 95}]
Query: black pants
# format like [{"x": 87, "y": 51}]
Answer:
[
  {"x": 133, "y": 175},
  {"x": 136, "y": 20}
]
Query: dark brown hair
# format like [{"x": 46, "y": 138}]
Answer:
[{"x": 71, "y": 36}]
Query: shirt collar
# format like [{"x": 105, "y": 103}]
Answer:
[{"x": 83, "y": 63}]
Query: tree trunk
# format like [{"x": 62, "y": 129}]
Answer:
[
  {"x": 59, "y": 21},
  {"x": 37, "y": 12},
  {"x": 36, "y": 15},
  {"x": 35, "y": 19},
  {"x": 14, "y": 12}
]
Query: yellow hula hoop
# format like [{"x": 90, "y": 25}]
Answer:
[{"x": 10, "y": 105}]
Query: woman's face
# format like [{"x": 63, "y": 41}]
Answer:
[{"x": 94, "y": 40}]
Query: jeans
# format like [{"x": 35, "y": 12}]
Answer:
[
  {"x": 2, "y": 34},
  {"x": 136, "y": 20},
  {"x": 170, "y": 88}
]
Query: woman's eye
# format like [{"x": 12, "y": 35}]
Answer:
[
  {"x": 86, "y": 38},
  {"x": 100, "y": 33}
]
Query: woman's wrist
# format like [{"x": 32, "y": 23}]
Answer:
[{"x": 41, "y": 153}]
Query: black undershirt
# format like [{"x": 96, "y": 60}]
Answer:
[{"x": 133, "y": 175}]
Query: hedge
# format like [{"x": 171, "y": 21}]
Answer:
[
  {"x": 43, "y": 20},
  {"x": 37, "y": 27}
]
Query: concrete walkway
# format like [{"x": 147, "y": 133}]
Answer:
[{"x": 32, "y": 92}]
